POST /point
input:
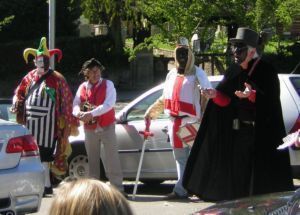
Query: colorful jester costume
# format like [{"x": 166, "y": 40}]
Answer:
[{"x": 45, "y": 100}]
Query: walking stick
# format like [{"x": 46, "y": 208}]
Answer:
[{"x": 146, "y": 133}]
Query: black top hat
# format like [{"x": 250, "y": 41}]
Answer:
[{"x": 247, "y": 36}]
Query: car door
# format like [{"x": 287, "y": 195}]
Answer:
[
  {"x": 158, "y": 162},
  {"x": 289, "y": 89},
  {"x": 290, "y": 102}
]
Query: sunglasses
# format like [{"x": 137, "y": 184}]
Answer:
[{"x": 239, "y": 47}]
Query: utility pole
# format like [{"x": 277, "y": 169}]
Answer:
[{"x": 52, "y": 30}]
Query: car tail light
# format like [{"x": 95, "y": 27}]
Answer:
[
  {"x": 24, "y": 144},
  {"x": 296, "y": 125}
]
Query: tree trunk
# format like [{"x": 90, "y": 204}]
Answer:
[{"x": 115, "y": 31}]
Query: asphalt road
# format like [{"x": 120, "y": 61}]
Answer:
[{"x": 149, "y": 201}]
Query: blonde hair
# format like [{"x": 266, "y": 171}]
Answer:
[{"x": 89, "y": 197}]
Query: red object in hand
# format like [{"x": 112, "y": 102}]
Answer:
[
  {"x": 147, "y": 132},
  {"x": 147, "y": 123}
]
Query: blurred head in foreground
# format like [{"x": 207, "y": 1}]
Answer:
[{"x": 89, "y": 197}]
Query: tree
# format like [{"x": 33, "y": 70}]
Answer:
[
  {"x": 30, "y": 19},
  {"x": 135, "y": 16},
  {"x": 270, "y": 13},
  {"x": 109, "y": 12},
  {"x": 67, "y": 17},
  {"x": 174, "y": 17},
  {"x": 6, "y": 21},
  {"x": 187, "y": 16}
]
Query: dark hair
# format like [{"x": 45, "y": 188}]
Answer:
[{"x": 90, "y": 64}]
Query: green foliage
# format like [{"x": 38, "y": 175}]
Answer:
[
  {"x": 271, "y": 47},
  {"x": 67, "y": 17},
  {"x": 288, "y": 57},
  {"x": 174, "y": 17},
  {"x": 268, "y": 14},
  {"x": 264, "y": 13},
  {"x": 6, "y": 21},
  {"x": 110, "y": 13},
  {"x": 30, "y": 19},
  {"x": 156, "y": 41},
  {"x": 286, "y": 10},
  {"x": 102, "y": 11},
  {"x": 219, "y": 45}
]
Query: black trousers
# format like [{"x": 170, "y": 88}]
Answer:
[{"x": 242, "y": 161}]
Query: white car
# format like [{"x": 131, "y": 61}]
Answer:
[
  {"x": 21, "y": 171},
  {"x": 158, "y": 163}
]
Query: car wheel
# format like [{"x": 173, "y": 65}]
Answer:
[
  {"x": 78, "y": 163},
  {"x": 78, "y": 166},
  {"x": 152, "y": 182}
]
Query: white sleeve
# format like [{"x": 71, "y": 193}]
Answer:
[
  {"x": 165, "y": 89},
  {"x": 202, "y": 78},
  {"x": 109, "y": 102},
  {"x": 76, "y": 102}
]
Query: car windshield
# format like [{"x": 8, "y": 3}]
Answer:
[
  {"x": 296, "y": 83},
  {"x": 6, "y": 114}
]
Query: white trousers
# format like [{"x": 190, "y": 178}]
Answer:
[{"x": 112, "y": 165}]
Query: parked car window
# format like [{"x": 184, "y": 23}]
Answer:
[
  {"x": 6, "y": 114},
  {"x": 137, "y": 112},
  {"x": 296, "y": 83}
]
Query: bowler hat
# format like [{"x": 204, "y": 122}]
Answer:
[
  {"x": 90, "y": 64},
  {"x": 247, "y": 36}
]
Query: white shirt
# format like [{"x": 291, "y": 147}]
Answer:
[
  {"x": 190, "y": 92},
  {"x": 109, "y": 102}
]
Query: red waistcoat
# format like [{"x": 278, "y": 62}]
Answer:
[{"x": 96, "y": 96}]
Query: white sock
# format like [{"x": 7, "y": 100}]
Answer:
[{"x": 47, "y": 174}]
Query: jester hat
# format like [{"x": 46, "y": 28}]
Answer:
[{"x": 42, "y": 50}]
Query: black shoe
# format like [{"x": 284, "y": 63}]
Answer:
[
  {"x": 48, "y": 191},
  {"x": 174, "y": 196}
]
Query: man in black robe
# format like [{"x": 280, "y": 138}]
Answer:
[{"x": 234, "y": 154}]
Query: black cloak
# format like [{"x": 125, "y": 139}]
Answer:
[{"x": 215, "y": 165}]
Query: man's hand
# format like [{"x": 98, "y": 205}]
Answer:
[
  {"x": 249, "y": 57},
  {"x": 86, "y": 117},
  {"x": 209, "y": 93},
  {"x": 297, "y": 143},
  {"x": 246, "y": 93},
  {"x": 147, "y": 117},
  {"x": 18, "y": 106}
]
